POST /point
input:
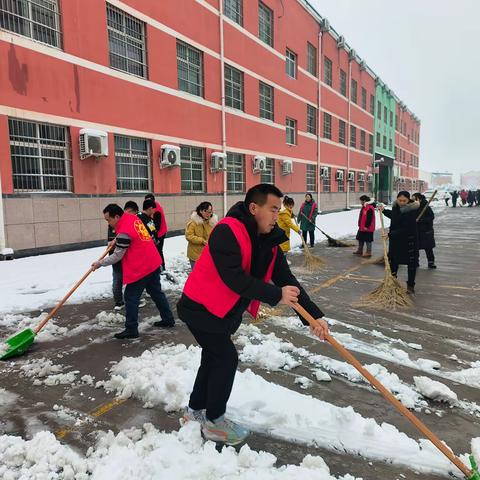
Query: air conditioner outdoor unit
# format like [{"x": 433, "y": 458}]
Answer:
[
  {"x": 363, "y": 65},
  {"x": 218, "y": 162},
  {"x": 351, "y": 176},
  {"x": 339, "y": 175},
  {"x": 325, "y": 25},
  {"x": 341, "y": 42},
  {"x": 352, "y": 54},
  {"x": 93, "y": 143},
  {"x": 324, "y": 172},
  {"x": 287, "y": 167},
  {"x": 259, "y": 164},
  {"x": 170, "y": 156}
]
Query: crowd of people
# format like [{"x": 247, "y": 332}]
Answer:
[
  {"x": 472, "y": 197},
  {"x": 236, "y": 263}
]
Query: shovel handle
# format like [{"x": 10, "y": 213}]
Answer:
[
  {"x": 386, "y": 393},
  {"x": 68, "y": 295}
]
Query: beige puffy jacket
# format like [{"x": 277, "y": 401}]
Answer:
[{"x": 197, "y": 232}]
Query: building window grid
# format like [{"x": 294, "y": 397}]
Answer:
[
  {"x": 342, "y": 132},
  {"x": 268, "y": 175},
  {"x": 391, "y": 118},
  {"x": 372, "y": 104},
  {"x": 311, "y": 178},
  {"x": 384, "y": 142},
  {"x": 132, "y": 164},
  {"x": 190, "y": 69},
  {"x": 370, "y": 143},
  {"x": 354, "y": 91},
  {"x": 343, "y": 83},
  {"x": 327, "y": 71},
  {"x": 41, "y": 160},
  {"x": 235, "y": 172},
  {"x": 311, "y": 59},
  {"x": 385, "y": 115},
  {"x": 364, "y": 98},
  {"x": 379, "y": 110},
  {"x": 327, "y": 126},
  {"x": 233, "y": 9},
  {"x": 390, "y": 145},
  {"x": 265, "y": 24},
  {"x": 126, "y": 42},
  {"x": 291, "y": 131},
  {"x": 326, "y": 185},
  {"x": 363, "y": 138},
  {"x": 266, "y": 101},
  {"x": 378, "y": 142},
  {"x": 291, "y": 63},
  {"x": 233, "y": 88},
  {"x": 192, "y": 169},
  {"x": 353, "y": 136},
  {"x": 361, "y": 182},
  {"x": 311, "y": 119},
  {"x": 352, "y": 183},
  {"x": 341, "y": 183}
]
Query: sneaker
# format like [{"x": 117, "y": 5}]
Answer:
[
  {"x": 142, "y": 303},
  {"x": 119, "y": 306},
  {"x": 357, "y": 252},
  {"x": 410, "y": 289},
  {"x": 191, "y": 415},
  {"x": 431, "y": 265},
  {"x": 164, "y": 324},
  {"x": 224, "y": 431},
  {"x": 126, "y": 334}
]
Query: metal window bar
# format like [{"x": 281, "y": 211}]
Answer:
[
  {"x": 291, "y": 130},
  {"x": 265, "y": 24},
  {"x": 311, "y": 178},
  {"x": 40, "y": 155},
  {"x": 327, "y": 69},
  {"x": 363, "y": 138},
  {"x": 192, "y": 170},
  {"x": 233, "y": 9},
  {"x": 268, "y": 176},
  {"x": 190, "y": 69},
  {"x": 266, "y": 101},
  {"x": 326, "y": 180},
  {"x": 233, "y": 88},
  {"x": 132, "y": 163},
  {"x": 36, "y": 19},
  {"x": 235, "y": 173},
  {"x": 291, "y": 63},
  {"x": 126, "y": 42},
  {"x": 311, "y": 59},
  {"x": 353, "y": 136},
  {"x": 341, "y": 132},
  {"x": 311, "y": 120},
  {"x": 327, "y": 125}
]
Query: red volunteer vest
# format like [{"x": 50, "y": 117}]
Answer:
[
  {"x": 163, "y": 225},
  {"x": 141, "y": 257},
  {"x": 362, "y": 220},
  {"x": 205, "y": 286}
]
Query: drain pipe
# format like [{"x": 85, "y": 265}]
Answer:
[
  {"x": 349, "y": 133},
  {"x": 319, "y": 111},
  {"x": 224, "y": 126},
  {"x": 5, "y": 253}
]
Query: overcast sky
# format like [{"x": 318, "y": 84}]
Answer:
[{"x": 428, "y": 53}]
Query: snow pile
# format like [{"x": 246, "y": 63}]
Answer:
[
  {"x": 475, "y": 447},
  {"x": 167, "y": 377},
  {"x": 304, "y": 382},
  {"x": 108, "y": 319},
  {"x": 468, "y": 376},
  {"x": 17, "y": 323},
  {"x": 149, "y": 454},
  {"x": 45, "y": 372},
  {"x": 6, "y": 400},
  {"x": 4, "y": 347},
  {"x": 435, "y": 390},
  {"x": 322, "y": 376}
]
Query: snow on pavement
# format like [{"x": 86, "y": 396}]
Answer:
[{"x": 167, "y": 376}]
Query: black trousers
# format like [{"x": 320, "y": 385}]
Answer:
[
  {"x": 214, "y": 381},
  {"x": 160, "y": 242},
  {"x": 412, "y": 272},
  {"x": 312, "y": 236},
  {"x": 430, "y": 255}
]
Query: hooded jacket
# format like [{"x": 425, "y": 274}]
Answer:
[
  {"x": 286, "y": 223},
  {"x": 197, "y": 232}
]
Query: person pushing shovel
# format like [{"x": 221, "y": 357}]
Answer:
[{"x": 241, "y": 266}]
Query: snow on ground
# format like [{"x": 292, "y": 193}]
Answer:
[
  {"x": 435, "y": 390},
  {"x": 167, "y": 376},
  {"x": 44, "y": 372},
  {"x": 148, "y": 454},
  {"x": 6, "y": 400}
]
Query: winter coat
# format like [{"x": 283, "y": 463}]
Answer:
[
  {"x": 464, "y": 195},
  {"x": 403, "y": 235},
  {"x": 197, "y": 232},
  {"x": 471, "y": 197},
  {"x": 366, "y": 222},
  {"x": 310, "y": 210},
  {"x": 227, "y": 258},
  {"x": 426, "y": 234},
  {"x": 286, "y": 223}
]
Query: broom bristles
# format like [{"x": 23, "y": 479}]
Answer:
[
  {"x": 375, "y": 261},
  {"x": 312, "y": 262}
]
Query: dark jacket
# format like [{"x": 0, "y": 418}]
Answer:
[
  {"x": 227, "y": 258},
  {"x": 403, "y": 235},
  {"x": 426, "y": 234},
  {"x": 366, "y": 236}
]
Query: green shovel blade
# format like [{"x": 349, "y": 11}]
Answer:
[
  {"x": 475, "y": 473},
  {"x": 18, "y": 344}
]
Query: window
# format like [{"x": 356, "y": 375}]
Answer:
[
  {"x": 311, "y": 59},
  {"x": 268, "y": 176},
  {"x": 291, "y": 129},
  {"x": 379, "y": 110},
  {"x": 192, "y": 169},
  {"x": 363, "y": 137},
  {"x": 341, "y": 183},
  {"x": 361, "y": 182},
  {"x": 352, "y": 184},
  {"x": 378, "y": 139},
  {"x": 266, "y": 101},
  {"x": 265, "y": 24},
  {"x": 390, "y": 144},
  {"x": 40, "y": 155},
  {"x": 396, "y": 122},
  {"x": 235, "y": 172},
  {"x": 384, "y": 142},
  {"x": 327, "y": 71},
  {"x": 370, "y": 143},
  {"x": 326, "y": 178},
  {"x": 126, "y": 42},
  {"x": 132, "y": 160},
  {"x": 385, "y": 115},
  {"x": 311, "y": 119},
  {"x": 391, "y": 119},
  {"x": 233, "y": 9},
  {"x": 396, "y": 152},
  {"x": 341, "y": 132},
  {"x": 233, "y": 88},
  {"x": 364, "y": 99},
  {"x": 190, "y": 69},
  {"x": 311, "y": 178},
  {"x": 372, "y": 104},
  {"x": 327, "y": 125},
  {"x": 353, "y": 136},
  {"x": 291, "y": 63},
  {"x": 354, "y": 91},
  {"x": 343, "y": 83}
]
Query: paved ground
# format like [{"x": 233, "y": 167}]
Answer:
[{"x": 444, "y": 320}]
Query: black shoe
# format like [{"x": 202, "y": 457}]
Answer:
[
  {"x": 164, "y": 324},
  {"x": 410, "y": 290},
  {"x": 431, "y": 265},
  {"x": 119, "y": 306},
  {"x": 126, "y": 334}
]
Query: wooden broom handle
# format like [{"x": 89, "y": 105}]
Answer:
[
  {"x": 314, "y": 224},
  {"x": 386, "y": 393},
  {"x": 68, "y": 295},
  {"x": 426, "y": 206}
]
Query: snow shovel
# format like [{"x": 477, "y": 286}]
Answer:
[
  {"x": 472, "y": 474},
  {"x": 18, "y": 344},
  {"x": 332, "y": 242}
]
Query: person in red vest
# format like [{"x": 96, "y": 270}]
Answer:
[
  {"x": 160, "y": 226},
  {"x": 141, "y": 263},
  {"x": 366, "y": 226},
  {"x": 241, "y": 266}
]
